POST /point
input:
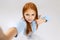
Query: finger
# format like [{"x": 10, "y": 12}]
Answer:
[
  {"x": 39, "y": 16},
  {"x": 45, "y": 19}
]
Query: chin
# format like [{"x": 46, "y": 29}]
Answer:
[{"x": 29, "y": 21}]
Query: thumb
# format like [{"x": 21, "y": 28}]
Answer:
[
  {"x": 1, "y": 33},
  {"x": 39, "y": 16},
  {"x": 2, "y": 36}
]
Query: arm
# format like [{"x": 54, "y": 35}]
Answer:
[
  {"x": 41, "y": 20},
  {"x": 8, "y": 35},
  {"x": 11, "y": 33}
]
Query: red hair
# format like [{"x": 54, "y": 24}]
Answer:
[{"x": 27, "y": 6}]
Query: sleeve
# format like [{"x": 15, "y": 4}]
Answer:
[
  {"x": 34, "y": 26},
  {"x": 20, "y": 26}
]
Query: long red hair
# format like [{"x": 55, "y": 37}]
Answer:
[{"x": 27, "y": 6}]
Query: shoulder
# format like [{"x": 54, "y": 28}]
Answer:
[
  {"x": 21, "y": 22},
  {"x": 21, "y": 25},
  {"x": 34, "y": 22}
]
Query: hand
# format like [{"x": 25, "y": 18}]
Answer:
[
  {"x": 2, "y": 35},
  {"x": 41, "y": 20}
]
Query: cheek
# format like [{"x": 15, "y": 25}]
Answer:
[
  {"x": 26, "y": 17},
  {"x": 33, "y": 17}
]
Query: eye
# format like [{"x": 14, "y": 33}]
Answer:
[
  {"x": 27, "y": 14},
  {"x": 32, "y": 14}
]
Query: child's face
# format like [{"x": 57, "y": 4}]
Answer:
[{"x": 30, "y": 15}]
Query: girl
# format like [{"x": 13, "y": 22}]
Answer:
[{"x": 28, "y": 24}]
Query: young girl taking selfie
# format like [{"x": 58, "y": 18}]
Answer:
[{"x": 28, "y": 24}]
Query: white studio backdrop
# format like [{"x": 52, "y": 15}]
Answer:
[{"x": 11, "y": 12}]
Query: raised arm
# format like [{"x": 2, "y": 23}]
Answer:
[
  {"x": 9, "y": 34},
  {"x": 41, "y": 20}
]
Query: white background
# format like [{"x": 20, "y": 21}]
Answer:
[{"x": 11, "y": 12}]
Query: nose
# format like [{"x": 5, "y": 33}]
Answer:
[{"x": 29, "y": 16}]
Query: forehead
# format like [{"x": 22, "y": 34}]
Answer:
[{"x": 30, "y": 11}]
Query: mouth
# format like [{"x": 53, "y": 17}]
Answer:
[{"x": 29, "y": 19}]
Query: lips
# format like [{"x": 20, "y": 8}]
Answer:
[{"x": 29, "y": 19}]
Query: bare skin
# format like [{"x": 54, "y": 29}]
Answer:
[
  {"x": 13, "y": 31},
  {"x": 8, "y": 35}
]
